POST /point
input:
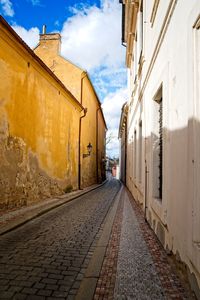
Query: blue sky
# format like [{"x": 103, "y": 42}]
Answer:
[{"x": 94, "y": 26}]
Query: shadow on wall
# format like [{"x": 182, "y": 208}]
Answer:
[{"x": 172, "y": 165}]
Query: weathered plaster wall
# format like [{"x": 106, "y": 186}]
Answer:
[
  {"x": 77, "y": 81},
  {"x": 48, "y": 50},
  {"x": 39, "y": 125}
]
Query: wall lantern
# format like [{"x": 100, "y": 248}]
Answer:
[{"x": 89, "y": 149}]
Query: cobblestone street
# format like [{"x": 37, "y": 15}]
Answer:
[{"x": 56, "y": 256}]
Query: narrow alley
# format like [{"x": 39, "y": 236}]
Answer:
[{"x": 97, "y": 246}]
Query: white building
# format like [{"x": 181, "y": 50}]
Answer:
[{"x": 162, "y": 38}]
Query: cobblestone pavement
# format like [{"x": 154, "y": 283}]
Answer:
[
  {"x": 47, "y": 257},
  {"x": 135, "y": 265}
]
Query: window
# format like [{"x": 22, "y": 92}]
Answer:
[
  {"x": 135, "y": 153},
  {"x": 140, "y": 152},
  {"x": 196, "y": 202},
  {"x": 157, "y": 144}
]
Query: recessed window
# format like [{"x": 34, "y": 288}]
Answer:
[
  {"x": 140, "y": 152},
  {"x": 157, "y": 144},
  {"x": 135, "y": 153}
]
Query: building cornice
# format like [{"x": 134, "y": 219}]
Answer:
[{"x": 170, "y": 10}]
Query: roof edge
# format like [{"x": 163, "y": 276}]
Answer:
[
  {"x": 43, "y": 65},
  {"x": 99, "y": 102}
]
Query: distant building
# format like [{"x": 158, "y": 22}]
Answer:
[
  {"x": 160, "y": 124},
  {"x": 93, "y": 126}
]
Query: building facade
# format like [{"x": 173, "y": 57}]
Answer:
[
  {"x": 162, "y": 40},
  {"x": 40, "y": 127},
  {"x": 93, "y": 126}
]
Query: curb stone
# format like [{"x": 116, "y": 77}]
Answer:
[{"x": 89, "y": 282}]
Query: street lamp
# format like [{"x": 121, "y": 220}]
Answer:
[{"x": 89, "y": 149}]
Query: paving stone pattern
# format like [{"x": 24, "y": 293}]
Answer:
[
  {"x": 47, "y": 257},
  {"x": 173, "y": 286},
  {"x": 136, "y": 267},
  {"x": 136, "y": 274}
]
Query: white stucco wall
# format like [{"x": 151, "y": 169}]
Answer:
[{"x": 171, "y": 50}]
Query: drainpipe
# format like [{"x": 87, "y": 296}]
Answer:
[
  {"x": 145, "y": 188},
  {"x": 83, "y": 75},
  {"x": 97, "y": 138},
  {"x": 79, "y": 149},
  {"x": 125, "y": 156}
]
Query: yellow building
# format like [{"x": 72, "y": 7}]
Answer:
[
  {"x": 39, "y": 126},
  {"x": 92, "y": 125}
]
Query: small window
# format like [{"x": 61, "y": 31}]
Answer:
[
  {"x": 140, "y": 152},
  {"x": 157, "y": 144},
  {"x": 135, "y": 153}
]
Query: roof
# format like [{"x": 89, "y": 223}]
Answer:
[
  {"x": 78, "y": 67},
  {"x": 42, "y": 64}
]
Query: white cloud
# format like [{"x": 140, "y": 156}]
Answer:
[
  {"x": 107, "y": 80},
  {"x": 92, "y": 36},
  {"x": 57, "y": 23},
  {"x": 35, "y": 2},
  {"x": 7, "y": 8},
  {"x": 112, "y": 105},
  {"x": 31, "y": 36},
  {"x": 112, "y": 111}
]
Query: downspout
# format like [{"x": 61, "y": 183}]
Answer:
[
  {"x": 97, "y": 138},
  {"x": 125, "y": 156},
  {"x": 79, "y": 149},
  {"x": 79, "y": 136}
]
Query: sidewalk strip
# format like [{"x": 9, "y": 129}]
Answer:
[{"x": 94, "y": 271}]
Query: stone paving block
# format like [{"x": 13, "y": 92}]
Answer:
[
  {"x": 30, "y": 291},
  {"x": 50, "y": 252},
  {"x": 55, "y": 276},
  {"x": 36, "y": 297},
  {"x": 20, "y": 296},
  {"x": 39, "y": 285},
  {"x": 44, "y": 292},
  {"x": 52, "y": 287},
  {"x": 64, "y": 288},
  {"x": 49, "y": 281},
  {"x": 15, "y": 289},
  {"x": 22, "y": 283},
  {"x": 60, "y": 294}
]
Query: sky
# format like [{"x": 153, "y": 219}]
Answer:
[{"x": 91, "y": 38}]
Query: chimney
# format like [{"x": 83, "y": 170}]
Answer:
[
  {"x": 50, "y": 41},
  {"x": 44, "y": 27}
]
